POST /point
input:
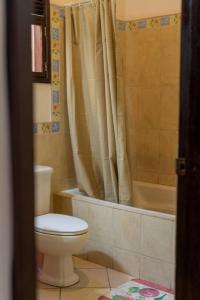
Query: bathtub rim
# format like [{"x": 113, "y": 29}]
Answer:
[{"x": 74, "y": 194}]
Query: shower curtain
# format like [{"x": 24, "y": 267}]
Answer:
[{"x": 96, "y": 118}]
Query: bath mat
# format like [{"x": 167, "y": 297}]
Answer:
[{"x": 138, "y": 289}]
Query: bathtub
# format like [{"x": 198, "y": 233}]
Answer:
[
  {"x": 139, "y": 241},
  {"x": 154, "y": 197},
  {"x": 146, "y": 196}
]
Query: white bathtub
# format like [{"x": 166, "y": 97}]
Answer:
[
  {"x": 137, "y": 241},
  {"x": 154, "y": 197},
  {"x": 147, "y": 198}
]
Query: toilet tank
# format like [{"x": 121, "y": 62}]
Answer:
[{"x": 42, "y": 189}]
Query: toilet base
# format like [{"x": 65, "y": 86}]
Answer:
[{"x": 58, "y": 271}]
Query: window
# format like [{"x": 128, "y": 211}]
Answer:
[{"x": 40, "y": 41}]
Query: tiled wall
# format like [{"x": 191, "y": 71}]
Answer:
[
  {"x": 148, "y": 66},
  {"x": 52, "y": 140},
  {"x": 148, "y": 69},
  {"x": 136, "y": 242}
]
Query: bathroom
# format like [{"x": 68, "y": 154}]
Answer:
[
  {"x": 107, "y": 150},
  {"x": 135, "y": 234}
]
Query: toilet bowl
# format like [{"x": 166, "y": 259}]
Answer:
[{"x": 58, "y": 236}]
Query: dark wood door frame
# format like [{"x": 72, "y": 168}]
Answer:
[
  {"x": 188, "y": 214},
  {"x": 20, "y": 95},
  {"x": 21, "y": 114}
]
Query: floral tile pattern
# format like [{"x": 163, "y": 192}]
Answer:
[
  {"x": 57, "y": 35},
  {"x": 138, "y": 289},
  {"x": 134, "y": 25}
]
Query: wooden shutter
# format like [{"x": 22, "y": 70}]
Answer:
[{"x": 39, "y": 8}]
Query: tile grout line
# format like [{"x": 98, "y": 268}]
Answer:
[
  {"x": 90, "y": 268},
  {"x": 108, "y": 278}
]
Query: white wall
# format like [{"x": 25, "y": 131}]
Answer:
[{"x": 5, "y": 184}]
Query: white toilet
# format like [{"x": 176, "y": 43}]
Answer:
[{"x": 58, "y": 237}]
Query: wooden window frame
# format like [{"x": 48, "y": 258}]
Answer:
[{"x": 44, "y": 22}]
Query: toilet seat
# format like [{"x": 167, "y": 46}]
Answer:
[{"x": 60, "y": 225}]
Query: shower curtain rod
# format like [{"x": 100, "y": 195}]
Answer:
[{"x": 72, "y": 4}]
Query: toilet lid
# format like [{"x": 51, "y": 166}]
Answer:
[{"x": 56, "y": 224}]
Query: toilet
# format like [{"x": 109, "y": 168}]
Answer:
[{"x": 58, "y": 237}]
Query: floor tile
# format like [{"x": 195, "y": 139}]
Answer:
[
  {"x": 48, "y": 294},
  {"x": 117, "y": 278},
  {"x": 80, "y": 263},
  {"x": 41, "y": 285},
  {"x": 90, "y": 278},
  {"x": 83, "y": 293}
]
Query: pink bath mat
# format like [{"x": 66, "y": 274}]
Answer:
[{"x": 138, "y": 289}]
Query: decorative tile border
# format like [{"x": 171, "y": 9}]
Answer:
[
  {"x": 169, "y": 20},
  {"x": 56, "y": 38}
]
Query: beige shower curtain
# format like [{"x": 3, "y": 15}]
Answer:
[{"x": 95, "y": 112}]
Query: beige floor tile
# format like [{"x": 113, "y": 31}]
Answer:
[
  {"x": 91, "y": 278},
  {"x": 80, "y": 263},
  {"x": 48, "y": 294},
  {"x": 117, "y": 278},
  {"x": 83, "y": 293}
]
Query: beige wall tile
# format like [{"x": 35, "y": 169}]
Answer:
[
  {"x": 169, "y": 107},
  {"x": 120, "y": 52},
  {"x": 150, "y": 177},
  {"x": 168, "y": 141},
  {"x": 142, "y": 62},
  {"x": 62, "y": 205},
  {"x": 54, "y": 150},
  {"x": 147, "y": 147},
  {"x": 100, "y": 253},
  {"x": 156, "y": 271},
  {"x": 170, "y": 33},
  {"x": 149, "y": 106},
  {"x": 125, "y": 238},
  {"x": 131, "y": 107},
  {"x": 170, "y": 180},
  {"x": 127, "y": 262},
  {"x": 172, "y": 277},
  {"x": 151, "y": 64},
  {"x": 166, "y": 164},
  {"x": 170, "y": 62},
  {"x": 100, "y": 223},
  {"x": 147, "y": 35},
  {"x": 82, "y": 210},
  {"x": 174, "y": 243},
  {"x": 157, "y": 238}
]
